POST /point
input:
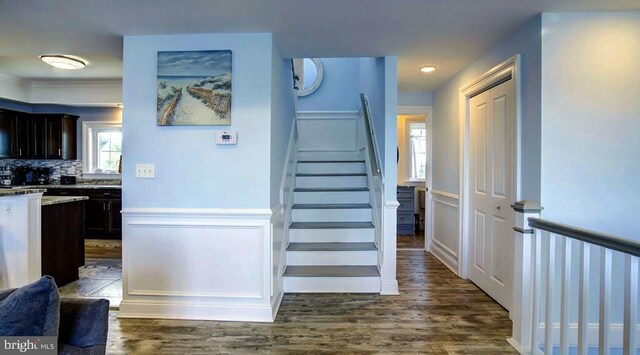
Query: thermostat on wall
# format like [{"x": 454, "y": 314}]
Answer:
[{"x": 226, "y": 137}]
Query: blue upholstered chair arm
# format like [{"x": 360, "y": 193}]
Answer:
[{"x": 83, "y": 326}]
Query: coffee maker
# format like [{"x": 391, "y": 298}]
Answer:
[
  {"x": 41, "y": 176},
  {"x": 6, "y": 175}
]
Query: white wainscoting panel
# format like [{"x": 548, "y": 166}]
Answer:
[
  {"x": 445, "y": 228},
  {"x": 198, "y": 264},
  {"x": 327, "y": 130}
]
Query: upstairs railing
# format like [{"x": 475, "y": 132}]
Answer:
[
  {"x": 578, "y": 289},
  {"x": 375, "y": 178},
  {"x": 370, "y": 137}
]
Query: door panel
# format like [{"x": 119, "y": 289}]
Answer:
[
  {"x": 39, "y": 138},
  {"x": 481, "y": 147},
  {"x": 499, "y": 145},
  {"x": 491, "y": 245}
]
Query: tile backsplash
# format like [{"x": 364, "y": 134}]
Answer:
[{"x": 58, "y": 167}]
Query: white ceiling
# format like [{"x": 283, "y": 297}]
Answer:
[{"x": 448, "y": 33}]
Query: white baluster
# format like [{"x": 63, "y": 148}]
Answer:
[
  {"x": 605, "y": 301},
  {"x": 551, "y": 266},
  {"x": 630, "y": 341},
  {"x": 537, "y": 284},
  {"x": 583, "y": 298},
  {"x": 565, "y": 293}
]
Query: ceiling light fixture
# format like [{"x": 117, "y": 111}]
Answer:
[
  {"x": 67, "y": 62},
  {"x": 427, "y": 68}
]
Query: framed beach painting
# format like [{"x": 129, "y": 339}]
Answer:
[{"x": 194, "y": 88}]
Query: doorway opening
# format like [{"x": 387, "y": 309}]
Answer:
[{"x": 414, "y": 171}]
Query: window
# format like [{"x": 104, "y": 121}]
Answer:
[
  {"x": 102, "y": 147},
  {"x": 417, "y": 150}
]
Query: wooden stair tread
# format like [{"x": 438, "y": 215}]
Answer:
[
  {"x": 330, "y": 161},
  {"x": 366, "y": 246},
  {"x": 330, "y": 206},
  {"x": 329, "y": 174},
  {"x": 329, "y": 189},
  {"x": 331, "y": 225},
  {"x": 332, "y": 271}
]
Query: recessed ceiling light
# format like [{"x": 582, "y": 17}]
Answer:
[
  {"x": 427, "y": 68},
  {"x": 68, "y": 62}
]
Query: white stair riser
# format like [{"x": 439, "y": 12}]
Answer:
[
  {"x": 331, "y": 197},
  {"x": 328, "y": 155},
  {"x": 368, "y": 257},
  {"x": 331, "y": 215},
  {"x": 314, "y": 168},
  {"x": 346, "y": 235},
  {"x": 331, "y": 181},
  {"x": 369, "y": 284}
]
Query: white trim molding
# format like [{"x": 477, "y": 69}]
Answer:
[
  {"x": 327, "y": 131},
  {"x": 213, "y": 264},
  {"x": 89, "y": 129},
  {"x": 327, "y": 115},
  {"x": 388, "y": 281},
  {"x": 508, "y": 68},
  {"x": 443, "y": 211}
]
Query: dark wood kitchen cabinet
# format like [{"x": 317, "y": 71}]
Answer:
[
  {"x": 37, "y": 136},
  {"x": 60, "y": 135},
  {"x": 102, "y": 218},
  {"x": 8, "y": 122}
]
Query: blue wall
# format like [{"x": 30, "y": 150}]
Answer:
[
  {"x": 372, "y": 84},
  {"x": 412, "y": 98},
  {"x": 191, "y": 170},
  {"x": 282, "y": 115},
  {"x": 591, "y": 121},
  {"x": 15, "y": 105},
  {"x": 527, "y": 42},
  {"x": 339, "y": 88}
]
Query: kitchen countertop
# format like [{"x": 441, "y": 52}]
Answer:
[
  {"x": 83, "y": 186},
  {"x": 23, "y": 191},
  {"x": 77, "y": 186},
  {"x": 54, "y": 200}
]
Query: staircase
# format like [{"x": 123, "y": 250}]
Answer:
[{"x": 331, "y": 235}]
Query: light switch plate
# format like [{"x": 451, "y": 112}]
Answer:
[
  {"x": 226, "y": 137},
  {"x": 146, "y": 171}
]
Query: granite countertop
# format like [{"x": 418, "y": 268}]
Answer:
[
  {"x": 83, "y": 186},
  {"x": 23, "y": 191},
  {"x": 77, "y": 186},
  {"x": 54, "y": 200}
]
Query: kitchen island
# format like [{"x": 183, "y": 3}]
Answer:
[{"x": 63, "y": 237}]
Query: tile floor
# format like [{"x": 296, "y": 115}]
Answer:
[{"x": 101, "y": 276}]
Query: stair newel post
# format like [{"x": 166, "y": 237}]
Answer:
[{"x": 525, "y": 308}]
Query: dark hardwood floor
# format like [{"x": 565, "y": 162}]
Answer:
[
  {"x": 415, "y": 241},
  {"x": 436, "y": 312}
]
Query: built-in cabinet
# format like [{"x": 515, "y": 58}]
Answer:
[
  {"x": 102, "y": 211},
  {"x": 405, "y": 213},
  {"x": 7, "y": 134},
  {"x": 37, "y": 136}
]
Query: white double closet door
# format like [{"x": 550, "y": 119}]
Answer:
[{"x": 491, "y": 188}]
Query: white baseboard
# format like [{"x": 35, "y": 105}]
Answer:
[
  {"x": 389, "y": 288},
  {"x": 176, "y": 309}
]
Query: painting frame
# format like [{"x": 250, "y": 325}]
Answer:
[{"x": 194, "y": 88}]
